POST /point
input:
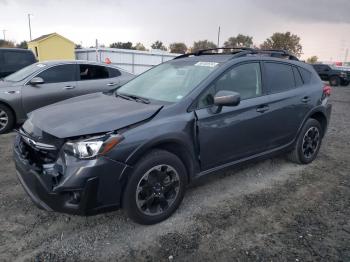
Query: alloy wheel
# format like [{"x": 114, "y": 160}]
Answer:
[
  {"x": 4, "y": 119},
  {"x": 311, "y": 142},
  {"x": 157, "y": 190}
]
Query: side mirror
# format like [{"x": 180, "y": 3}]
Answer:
[
  {"x": 36, "y": 81},
  {"x": 227, "y": 98}
]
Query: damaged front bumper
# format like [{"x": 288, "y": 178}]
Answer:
[{"x": 70, "y": 185}]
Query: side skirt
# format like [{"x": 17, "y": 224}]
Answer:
[{"x": 256, "y": 157}]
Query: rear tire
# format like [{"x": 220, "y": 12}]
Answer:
[
  {"x": 308, "y": 143},
  {"x": 7, "y": 119},
  {"x": 344, "y": 83},
  {"x": 156, "y": 187},
  {"x": 334, "y": 81}
]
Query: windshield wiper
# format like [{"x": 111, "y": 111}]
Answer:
[{"x": 133, "y": 97}]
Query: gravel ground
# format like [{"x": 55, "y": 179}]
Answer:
[{"x": 269, "y": 211}]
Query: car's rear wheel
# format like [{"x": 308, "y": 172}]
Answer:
[
  {"x": 344, "y": 83},
  {"x": 308, "y": 143},
  {"x": 7, "y": 119},
  {"x": 156, "y": 187},
  {"x": 334, "y": 81}
]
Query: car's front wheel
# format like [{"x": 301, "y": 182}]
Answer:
[
  {"x": 7, "y": 119},
  {"x": 156, "y": 187},
  {"x": 308, "y": 143}
]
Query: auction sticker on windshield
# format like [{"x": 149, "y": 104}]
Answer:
[{"x": 208, "y": 64}]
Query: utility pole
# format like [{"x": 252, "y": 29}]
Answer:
[
  {"x": 96, "y": 46},
  {"x": 219, "y": 36},
  {"x": 346, "y": 55},
  {"x": 4, "y": 34},
  {"x": 30, "y": 27}
]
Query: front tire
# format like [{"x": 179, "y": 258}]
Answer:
[
  {"x": 7, "y": 119},
  {"x": 156, "y": 187},
  {"x": 308, "y": 143}
]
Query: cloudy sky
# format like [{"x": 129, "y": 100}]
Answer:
[{"x": 323, "y": 25}]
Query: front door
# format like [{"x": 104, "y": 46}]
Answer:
[
  {"x": 234, "y": 132},
  {"x": 59, "y": 84}
]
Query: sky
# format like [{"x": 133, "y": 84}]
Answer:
[{"x": 323, "y": 25}]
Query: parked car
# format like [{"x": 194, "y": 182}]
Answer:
[
  {"x": 335, "y": 75},
  {"x": 141, "y": 145},
  {"x": 46, "y": 83},
  {"x": 14, "y": 59}
]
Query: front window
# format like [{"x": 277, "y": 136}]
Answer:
[
  {"x": 59, "y": 74},
  {"x": 25, "y": 72},
  {"x": 169, "y": 82}
]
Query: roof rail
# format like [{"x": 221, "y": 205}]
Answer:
[{"x": 243, "y": 51}]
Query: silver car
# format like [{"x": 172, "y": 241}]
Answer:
[{"x": 45, "y": 83}]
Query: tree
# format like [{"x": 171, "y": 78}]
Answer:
[
  {"x": 158, "y": 45},
  {"x": 78, "y": 46},
  {"x": 177, "y": 47},
  {"x": 23, "y": 45},
  {"x": 286, "y": 41},
  {"x": 312, "y": 60},
  {"x": 140, "y": 47},
  {"x": 203, "y": 44},
  {"x": 239, "y": 41},
  {"x": 7, "y": 44},
  {"x": 121, "y": 45}
]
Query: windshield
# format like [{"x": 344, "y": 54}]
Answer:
[
  {"x": 169, "y": 82},
  {"x": 24, "y": 72}
]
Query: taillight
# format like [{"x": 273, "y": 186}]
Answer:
[{"x": 327, "y": 90}]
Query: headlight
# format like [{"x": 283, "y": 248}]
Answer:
[
  {"x": 343, "y": 74},
  {"x": 93, "y": 147}
]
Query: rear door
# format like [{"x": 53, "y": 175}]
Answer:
[
  {"x": 96, "y": 78},
  {"x": 289, "y": 101},
  {"x": 59, "y": 84}
]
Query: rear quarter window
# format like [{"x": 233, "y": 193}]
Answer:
[
  {"x": 305, "y": 74},
  {"x": 279, "y": 77},
  {"x": 297, "y": 76},
  {"x": 113, "y": 72}
]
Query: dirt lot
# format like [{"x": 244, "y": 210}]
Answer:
[{"x": 270, "y": 211}]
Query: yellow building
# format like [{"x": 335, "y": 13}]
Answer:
[{"x": 52, "y": 47}]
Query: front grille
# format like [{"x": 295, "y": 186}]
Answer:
[{"x": 36, "y": 156}]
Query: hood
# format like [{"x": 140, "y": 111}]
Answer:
[
  {"x": 90, "y": 114},
  {"x": 7, "y": 84}
]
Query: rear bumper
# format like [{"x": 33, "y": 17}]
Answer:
[{"x": 87, "y": 188}]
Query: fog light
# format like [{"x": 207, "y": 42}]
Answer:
[{"x": 75, "y": 198}]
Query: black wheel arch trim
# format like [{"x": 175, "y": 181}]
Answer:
[
  {"x": 317, "y": 110},
  {"x": 190, "y": 158}
]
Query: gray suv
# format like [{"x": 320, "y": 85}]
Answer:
[
  {"x": 45, "y": 83},
  {"x": 139, "y": 146}
]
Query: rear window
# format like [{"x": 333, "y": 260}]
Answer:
[
  {"x": 279, "y": 77},
  {"x": 93, "y": 72},
  {"x": 18, "y": 58},
  {"x": 297, "y": 76},
  {"x": 305, "y": 74}
]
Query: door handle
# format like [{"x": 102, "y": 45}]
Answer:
[
  {"x": 305, "y": 99},
  {"x": 69, "y": 87},
  {"x": 112, "y": 84},
  {"x": 262, "y": 109}
]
